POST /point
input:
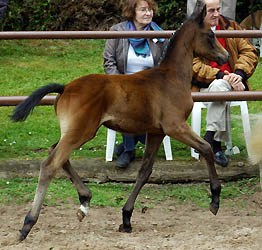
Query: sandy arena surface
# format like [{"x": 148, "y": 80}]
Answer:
[{"x": 166, "y": 226}]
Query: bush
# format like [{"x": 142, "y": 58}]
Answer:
[
  {"x": 29, "y": 15},
  {"x": 86, "y": 15},
  {"x": 93, "y": 14},
  {"x": 245, "y": 8},
  {"x": 61, "y": 15},
  {"x": 171, "y": 14}
]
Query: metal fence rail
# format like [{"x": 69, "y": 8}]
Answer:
[
  {"x": 197, "y": 97},
  {"x": 8, "y": 35}
]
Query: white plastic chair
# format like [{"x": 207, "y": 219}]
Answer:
[
  {"x": 110, "y": 144},
  {"x": 196, "y": 123}
]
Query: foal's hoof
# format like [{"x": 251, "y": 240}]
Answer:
[
  {"x": 20, "y": 236},
  {"x": 80, "y": 215},
  {"x": 124, "y": 229},
  {"x": 213, "y": 208},
  {"x": 82, "y": 212}
]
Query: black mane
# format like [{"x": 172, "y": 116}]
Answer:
[
  {"x": 193, "y": 17},
  {"x": 172, "y": 41},
  {"x": 168, "y": 46}
]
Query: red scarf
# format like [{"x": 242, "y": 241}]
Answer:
[{"x": 225, "y": 66}]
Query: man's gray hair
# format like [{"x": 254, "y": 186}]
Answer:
[{"x": 228, "y": 8}]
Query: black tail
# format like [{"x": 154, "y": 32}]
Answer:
[{"x": 21, "y": 111}]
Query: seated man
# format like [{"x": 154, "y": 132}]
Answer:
[{"x": 232, "y": 76}]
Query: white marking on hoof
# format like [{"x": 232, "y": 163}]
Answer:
[{"x": 84, "y": 209}]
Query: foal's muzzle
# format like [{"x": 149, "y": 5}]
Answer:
[{"x": 223, "y": 58}]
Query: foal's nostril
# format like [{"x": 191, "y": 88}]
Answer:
[{"x": 223, "y": 59}]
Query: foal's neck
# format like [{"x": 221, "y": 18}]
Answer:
[{"x": 179, "y": 56}]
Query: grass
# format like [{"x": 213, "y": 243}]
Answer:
[
  {"x": 20, "y": 191},
  {"x": 26, "y": 65}
]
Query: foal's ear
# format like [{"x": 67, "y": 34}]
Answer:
[
  {"x": 201, "y": 16},
  {"x": 199, "y": 12}
]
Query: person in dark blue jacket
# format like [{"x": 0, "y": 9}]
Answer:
[{"x": 3, "y": 7}]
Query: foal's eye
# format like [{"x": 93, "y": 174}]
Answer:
[
  {"x": 211, "y": 38},
  {"x": 211, "y": 34}
]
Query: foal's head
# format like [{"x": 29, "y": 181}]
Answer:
[{"x": 205, "y": 43}]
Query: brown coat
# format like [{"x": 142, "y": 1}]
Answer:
[{"x": 243, "y": 59}]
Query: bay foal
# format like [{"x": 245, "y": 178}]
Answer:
[{"x": 156, "y": 102}]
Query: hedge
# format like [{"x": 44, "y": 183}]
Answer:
[{"x": 54, "y": 15}]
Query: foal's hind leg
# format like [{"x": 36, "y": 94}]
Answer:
[
  {"x": 47, "y": 172},
  {"x": 186, "y": 135},
  {"x": 84, "y": 193},
  {"x": 152, "y": 145}
]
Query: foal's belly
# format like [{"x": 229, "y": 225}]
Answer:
[{"x": 131, "y": 124}]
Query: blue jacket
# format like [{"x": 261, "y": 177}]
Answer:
[{"x": 3, "y": 7}]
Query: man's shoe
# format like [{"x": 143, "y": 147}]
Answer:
[
  {"x": 221, "y": 159},
  {"x": 125, "y": 158},
  {"x": 119, "y": 149}
]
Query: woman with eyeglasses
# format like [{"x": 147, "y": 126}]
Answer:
[{"x": 128, "y": 56}]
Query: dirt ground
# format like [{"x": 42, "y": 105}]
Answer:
[{"x": 166, "y": 226}]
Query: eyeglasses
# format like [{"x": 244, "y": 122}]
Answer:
[{"x": 145, "y": 10}]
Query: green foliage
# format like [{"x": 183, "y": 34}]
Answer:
[
  {"x": 245, "y": 8},
  {"x": 61, "y": 15},
  {"x": 30, "y": 15},
  {"x": 93, "y": 14},
  {"x": 87, "y": 14},
  {"x": 171, "y": 14}
]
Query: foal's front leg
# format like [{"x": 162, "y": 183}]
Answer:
[
  {"x": 152, "y": 145},
  {"x": 186, "y": 135}
]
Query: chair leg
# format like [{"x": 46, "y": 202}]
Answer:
[
  {"x": 167, "y": 147},
  {"x": 260, "y": 49},
  {"x": 229, "y": 145},
  {"x": 110, "y": 144},
  {"x": 245, "y": 122},
  {"x": 196, "y": 124}
]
